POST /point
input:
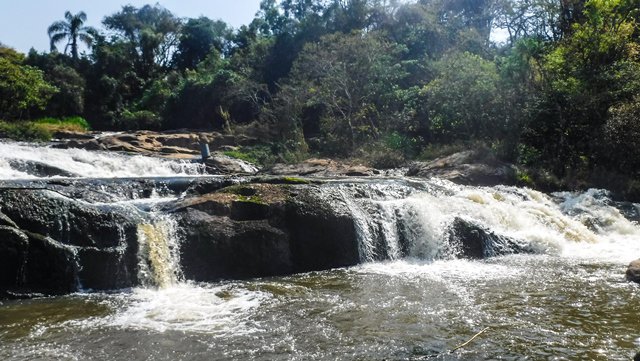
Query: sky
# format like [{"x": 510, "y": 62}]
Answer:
[{"x": 24, "y": 23}]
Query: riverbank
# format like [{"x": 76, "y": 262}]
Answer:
[{"x": 477, "y": 166}]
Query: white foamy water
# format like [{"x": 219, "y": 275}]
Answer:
[
  {"x": 16, "y": 160},
  {"x": 187, "y": 307},
  {"x": 391, "y": 217}
]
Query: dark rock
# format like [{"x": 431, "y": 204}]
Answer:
[
  {"x": 221, "y": 163},
  {"x": 220, "y": 248},
  {"x": 272, "y": 230},
  {"x": 468, "y": 168},
  {"x": 39, "y": 169},
  {"x": 71, "y": 222},
  {"x": 469, "y": 240},
  {"x": 321, "y": 237},
  {"x": 88, "y": 144},
  {"x": 51, "y": 267},
  {"x": 54, "y": 244},
  {"x": 13, "y": 257},
  {"x": 107, "y": 269},
  {"x": 633, "y": 271}
]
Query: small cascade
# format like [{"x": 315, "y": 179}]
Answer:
[
  {"x": 158, "y": 252},
  {"x": 424, "y": 219},
  {"x": 375, "y": 209}
]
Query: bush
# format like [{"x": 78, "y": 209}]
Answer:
[
  {"x": 381, "y": 156},
  {"x": 142, "y": 119}
]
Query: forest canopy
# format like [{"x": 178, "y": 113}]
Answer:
[{"x": 553, "y": 84}]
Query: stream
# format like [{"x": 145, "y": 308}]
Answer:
[{"x": 410, "y": 298}]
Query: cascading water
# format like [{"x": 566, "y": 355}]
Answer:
[
  {"x": 28, "y": 161},
  {"x": 412, "y": 219},
  {"x": 412, "y": 298},
  {"x": 159, "y": 252}
]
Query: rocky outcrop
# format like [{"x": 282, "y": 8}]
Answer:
[
  {"x": 633, "y": 271},
  {"x": 263, "y": 230},
  {"x": 50, "y": 244},
  {"x": 174, "y": 144},
  {"x": 57, "y": 236},
  {"x": 468, "y": 168},
  {"x": 322, "y": 168}
]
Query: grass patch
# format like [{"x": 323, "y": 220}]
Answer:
[
  {"x": 41, "y": 130},
  {"x": 295, "y": 180},
  {"x": 25, "y": 131},
  {"x": 242, "y": 155},
  {"x": 266, "y": 155},
  {"x": 69, "y": 124}
]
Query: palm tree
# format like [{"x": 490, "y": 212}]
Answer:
[{"x": 72, "y": 29}]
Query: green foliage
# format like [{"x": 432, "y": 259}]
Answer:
[
  {"x": 141, "y": 119},
  {"x": 464, "y": 99},
  {"x": 383, "y": 81},
  {"x": 41, "y": 129},
  {"x": 351, "y": 78},
  {"x": 25, "y": 131},
  {"x": 22, "y": 89},
  {"x": 76, "y": 123},
  {"x": 622, "y": 136}
]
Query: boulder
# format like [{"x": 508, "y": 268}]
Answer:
[
  {"x": 39, "y": 169},
  {"x": 256, "y": 230},
  {"x": 50, "y": 244},
  {"x": 170, "y": 144},
  {"x": 468, "y": 168},
  {"x": 469, "y": 240},
  {"x": 633, "y": 271},
  {"x": 219, "y": 163}
]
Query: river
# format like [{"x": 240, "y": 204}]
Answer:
[{"x": 568, "y": 300}]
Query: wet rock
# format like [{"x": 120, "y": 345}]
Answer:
[
  {"x": 633, "y": 271},
  {"x": 468, "y": 168},
  {"x": 220, "y": 163},
  {"x": 13, "y": 256},
  {"x": 217, "y": 247},
  {"x": 256, "y": 230},
  {"x": 469, "y": 240},
  {"x": 54, "y": 245},
  {"x": 323, "y": 168},
  {"x": 39, "y": 169}
]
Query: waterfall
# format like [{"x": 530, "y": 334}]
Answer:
[
  {"x": 159, "y": 252},
  {"x": 416, "y": 218}
]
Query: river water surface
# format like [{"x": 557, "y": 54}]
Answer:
[{"x": 569, "y": 301}]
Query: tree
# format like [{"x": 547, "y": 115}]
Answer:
[
  {"x": 151, "y": 33},
  {"x": 463, "y": 99},
  {"x": 22, "y": 87},
  {"x": 349, "y": 81},
  {"x": 198, "y": 37},
  {"x": 593, "y": 67},
  {"x": 72, "y": 29}
]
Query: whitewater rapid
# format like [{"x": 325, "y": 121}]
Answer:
[{"x": 16, "y": 159}]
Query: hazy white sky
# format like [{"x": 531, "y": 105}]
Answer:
[{"x": 23, "y": 23}]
